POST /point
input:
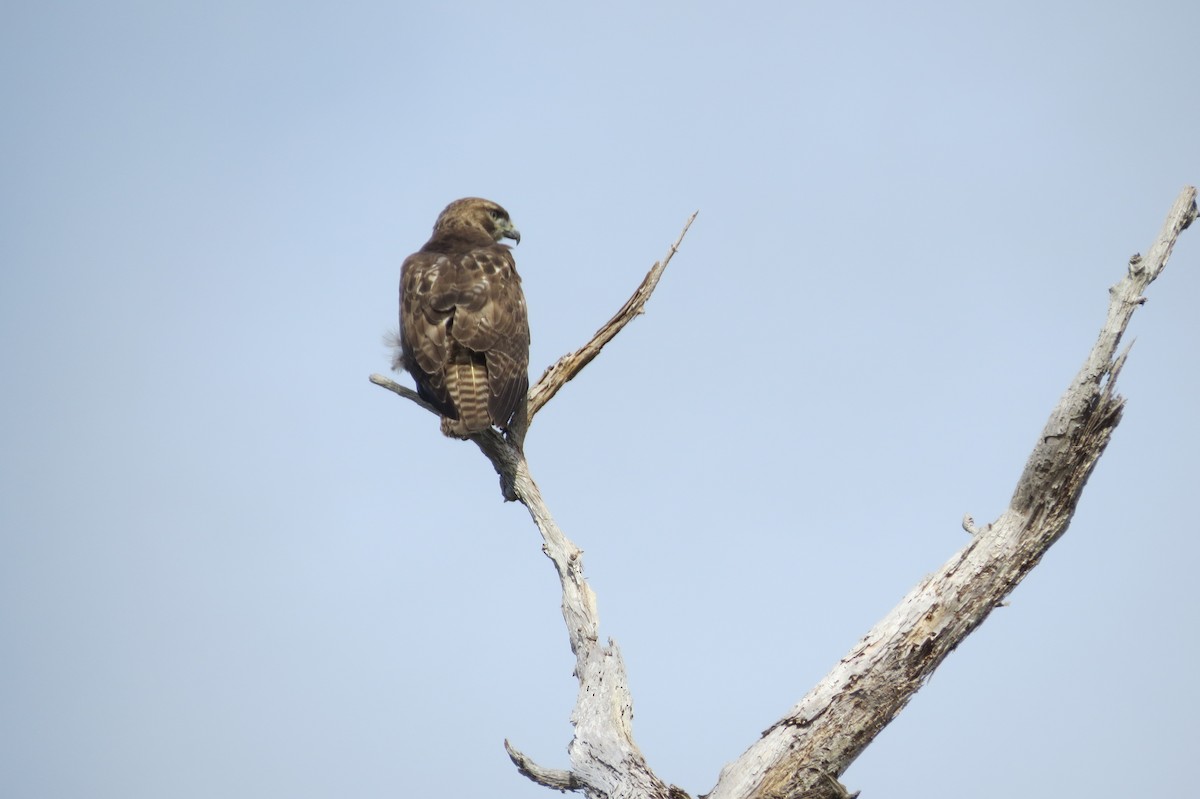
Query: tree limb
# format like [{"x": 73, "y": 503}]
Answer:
[
  {"x": 801, "y": 755},
  {"x": 557, "y": 779},
  {"x": 827, "y": 729},
  {"x": 403, "y": 391},
  {"x": 606, "y": 762},
  {"x": 572, "y": 364}
]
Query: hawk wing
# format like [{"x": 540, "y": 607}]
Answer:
[{"x": 464, "y": 334}]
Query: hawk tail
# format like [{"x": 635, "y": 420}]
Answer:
[{"x": 467, "y": 385}]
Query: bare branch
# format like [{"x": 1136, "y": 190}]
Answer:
[
  {"x": 607, "y": 763},
  {"x": 822, "y": 734},
  {"x": 558, "y": 779},
  {"x": 403, "y": 391},
  {"x": 570, "y": 365},
  {"x": 801, "y": 755},
  {"x": 1125, "y": 298}
]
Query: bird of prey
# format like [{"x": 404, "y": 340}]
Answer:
[{"x": 464, "y": 331}]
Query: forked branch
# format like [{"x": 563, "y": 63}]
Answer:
[
  {"x": 802, "y": 754},
  {"x": 605, "y": 761}
]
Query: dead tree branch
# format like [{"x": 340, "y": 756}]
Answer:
[
  {"x": 566, "y": 367},
  {"x": 802, "y": 754},
  {"x": 606, "y": 762},
  {"x": 827, "y": 729}
]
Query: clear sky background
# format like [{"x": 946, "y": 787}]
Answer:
[{"x": 230, "y": 566}]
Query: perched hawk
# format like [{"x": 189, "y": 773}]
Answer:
[{"x": 464, "y": 333}]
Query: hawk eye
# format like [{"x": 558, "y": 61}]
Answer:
[{"x": 493, "y": 213}]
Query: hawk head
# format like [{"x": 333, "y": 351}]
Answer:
[{"x": 475, "y": 214}]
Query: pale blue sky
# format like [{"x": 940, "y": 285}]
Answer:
[{"x": 229, "y": 566}]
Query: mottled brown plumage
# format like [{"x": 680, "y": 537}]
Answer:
[{"x": 464, "y": 332}]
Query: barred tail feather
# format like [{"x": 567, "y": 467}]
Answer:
[{"x": 467, "y": 385}]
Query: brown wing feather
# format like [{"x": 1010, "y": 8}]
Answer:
[
  {"x": 468, "y": 310},
  {"x": 424, "y": 330}
]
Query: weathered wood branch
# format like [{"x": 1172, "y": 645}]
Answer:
[
  {"x": 606, "y": 762},
  {"x": 566, "y": 367},
  {"x": 604, "y": 758},
  {"x": 825, "y": 731},
  {"x": 558, "y": 779},
  {"x": 801, "y": 755},
  {"x": 403, "y": 391}
]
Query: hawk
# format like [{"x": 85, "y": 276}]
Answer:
[{"x": 464, "y": 331}]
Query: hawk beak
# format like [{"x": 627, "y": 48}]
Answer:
[{"x": 514, "y": 234}]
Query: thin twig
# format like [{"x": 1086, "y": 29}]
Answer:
[{"x": 403, "y": 391}]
